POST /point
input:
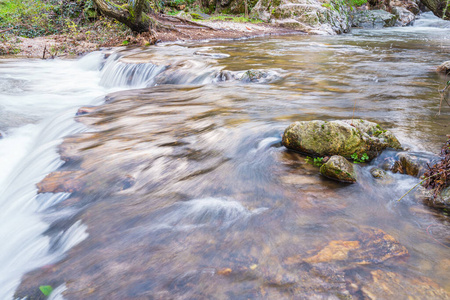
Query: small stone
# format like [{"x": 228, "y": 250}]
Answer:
[
  {"x": 378, "y": 173},
  {"x": 338, "y": 168},
  {"x": 85, "y": 110},
  {"x": 61, "y": 181},
  {"x": 444, "y": 68},
  {"x": 226, "y": 271}
]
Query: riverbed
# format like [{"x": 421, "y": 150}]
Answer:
[{"x": 183, "y": 189}]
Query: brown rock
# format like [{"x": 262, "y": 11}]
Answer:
[
  {"x": 226, "y": 271},
  {"x": 444, "y": 68},
  {"x": 61, "y": 181},
  {"x": 389, "y": 285},
  {"x": 335, "y": 250},
  {"x": 371, "y": 245}
]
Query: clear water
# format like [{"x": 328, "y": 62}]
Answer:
[{"x": 213, "y": 190}]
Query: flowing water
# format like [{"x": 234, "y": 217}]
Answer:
[{"x": 187, "y": 192}]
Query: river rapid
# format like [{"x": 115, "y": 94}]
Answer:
[{"x": 183, "y": 188}]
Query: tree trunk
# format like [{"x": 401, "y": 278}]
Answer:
[
  {"x": 440, "y": 8},
  {"x": 246, "y": 8},
  {"x": 130, "y": 14}
]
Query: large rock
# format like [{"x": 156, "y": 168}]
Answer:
[
  {"x": 438, "y": 7},
  {"x": 344, "y": 137},
  {"x": 338, "y": 168},
  {"x": 311, "y": 16},
  {"x": 370, "y": 19},
  {"x": 410, "y": 5},
  {"x": 404, "y": 16}
]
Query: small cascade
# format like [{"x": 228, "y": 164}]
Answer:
[
  {"x": 37, "y": 112},
  {"x": 25, "y": 247},
  {"x": 116, "y": 73}
]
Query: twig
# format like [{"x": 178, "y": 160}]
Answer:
[
  {"x": 188, "y": 21},
  {"x": 5, "y": 30},
  {"x": 443, "y": 97},
  {"x": 354, "y": 107},
  {"x": 186, "y": 26},
  {"x": 419, "y": 184},
  {"x": 428, "y": 232},
  {"x": 43, "y": 53}
]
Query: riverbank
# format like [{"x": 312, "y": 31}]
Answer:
[{"x": 72, "y": 45}]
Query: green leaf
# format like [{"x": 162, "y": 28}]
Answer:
[
  {"x": 364, "y": 157},
  {"x": 46, "y": 289}
]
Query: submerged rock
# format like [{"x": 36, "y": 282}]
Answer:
[
  {"x": 373, "y": 19},
  {"x": 61, "y": 181},
  {"x": 389, "y": 285},
  {"x": 249, "y": 76},
  {"x": 344, "y": 137},
  {"x": 369, "y": 246},
  {"x": 444, "y": 68},
  {"x": 377, "y": 173},
  {"x": 338, "y": 168}
]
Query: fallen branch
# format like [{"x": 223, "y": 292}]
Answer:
[
  {"x": 5, "y": 30},
  {"x": 410, "y": 190},
  {"x": 188, "y": 21}
]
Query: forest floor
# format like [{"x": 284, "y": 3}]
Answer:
[{"x": 81, "y": 41}]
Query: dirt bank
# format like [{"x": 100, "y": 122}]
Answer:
[{"x": 174, "y": 29}]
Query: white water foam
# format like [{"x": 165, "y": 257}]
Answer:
[
  {"x": 204, "y": 212},
  {"x": 44, "y": 95}
]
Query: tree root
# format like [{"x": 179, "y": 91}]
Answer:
[{"x": 188, "y": 21}]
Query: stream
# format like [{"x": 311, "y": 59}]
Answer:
[{"x": 179, "y": 185}]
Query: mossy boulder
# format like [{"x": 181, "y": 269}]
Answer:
[
  {"x": 342, "y": 137},
  {"x": 338, "y": 168}
]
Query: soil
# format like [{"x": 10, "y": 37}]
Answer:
[{"x": 173, "y": 29}]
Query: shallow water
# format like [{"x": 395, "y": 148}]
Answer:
[{"x": 215, "y": 207}]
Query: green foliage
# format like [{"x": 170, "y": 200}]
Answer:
[
  {"x": 31, "y": 18},
  {"x": 316, "y": 161},
  {"x": 356, "y": 2},
  {"x": 125, "y": 42},
  {"x": 46, "y": 289},
  {"x": 179, "y": 2},
  {"x": 235, "y": 18},
  {"x": 364, "y": 158}
]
